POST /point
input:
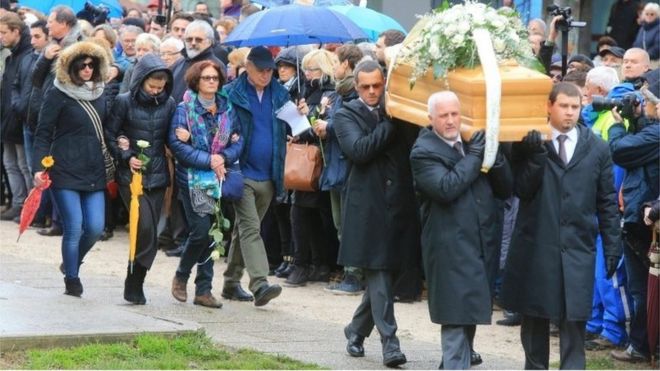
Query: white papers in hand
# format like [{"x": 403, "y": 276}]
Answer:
[{"x": 297, "y": 121}]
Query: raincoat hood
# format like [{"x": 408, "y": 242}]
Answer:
[{"x": 148, "y": 64}]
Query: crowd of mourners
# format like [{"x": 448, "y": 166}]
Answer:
[{"x": 556, "y": 232}]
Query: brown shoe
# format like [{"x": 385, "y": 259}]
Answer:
[
  {"x": 207, "y": 300},
  {"x": 599, "y": 343},
  {"x": 179, "y": 290},
  {"x": 629, "y": 355}
]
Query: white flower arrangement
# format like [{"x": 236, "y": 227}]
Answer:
[{"x": 445, "y": 39}]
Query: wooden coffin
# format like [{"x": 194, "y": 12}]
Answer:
[{"x": 523, "y": 104}]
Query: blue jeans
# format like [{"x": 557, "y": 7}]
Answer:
[
  {"x": 28, "y": 146},
  {"x": 197, "y": 250},
  {"x": 18, "y": 175},
  {"x": 83, "y": 218}
]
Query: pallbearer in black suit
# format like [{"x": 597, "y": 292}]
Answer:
[
  {"x": 379, "y": 209},
  {"x": 566, "y": 196},
  {"x": 460, "y": 225}
]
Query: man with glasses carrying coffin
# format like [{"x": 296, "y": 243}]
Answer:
[{"x": 379, "y": 210}]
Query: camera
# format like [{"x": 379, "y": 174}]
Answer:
[
  {"x": 96, "y": 14},
  {"x": 567, "y": 20},
  {"x": 626, "y": 104}
]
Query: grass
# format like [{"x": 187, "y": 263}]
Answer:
[
  {"x": 193, "y": 351},
  {"x": 601, "y": 360}
]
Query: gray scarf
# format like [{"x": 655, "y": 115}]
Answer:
[{"x": 89, "y": 91}]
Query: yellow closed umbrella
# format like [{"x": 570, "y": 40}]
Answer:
[{"x": 134, "y": 215}]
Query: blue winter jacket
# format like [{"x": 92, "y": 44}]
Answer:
[
  {"x": 237, "y": 94},
  {"x": 189, "y": 157},
  {"x": 648, "y": 38},
  {"x": 638, "y": 154}
]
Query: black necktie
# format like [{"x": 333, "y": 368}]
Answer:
[
  {"x": 375, "y": 114},
  {"x": 562, "y": 148},
  {"x": 458, "y": 146}
]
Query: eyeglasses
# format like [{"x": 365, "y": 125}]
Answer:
[
  {"x": 89, "y": 65},
  {"x": 375, "y": 86},
  {"x": 214, "y": 78},
  {"x": 197, "y": 40},
  {"x": 167, "y": 54},
  {"x": 309, "y": 69}
]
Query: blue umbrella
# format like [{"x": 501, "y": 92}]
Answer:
[
  {"x": 272, "y": 3},
  {"x": 371, "y": 21},
  {"x": 332, "y": 2},
  {"x": 45, "y": 6},
  {"x": 294, "y": 25}
]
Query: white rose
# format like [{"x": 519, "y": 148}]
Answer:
[
  {"x": 478, "y": 19},
  {"x": 434, "y": 51},
  {"x": 514, "y": 36},
  {"x": 142, "y": 144},
  {"x": 463, "y": 27},
  {"x": 497, "y": 24},
  {"x": 215, "y": 255},
  {"x": 499, "y": 45},
  {"x": 450, "y": 30},
  {"x": 458, "y": 39}
]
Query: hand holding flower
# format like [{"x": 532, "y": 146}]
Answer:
[
  {"x": 320, "y": 128},
  {"x": 40, "y": 180},
  {"x": 142, "y": 158},
  {"x": 135, "y": 164}
]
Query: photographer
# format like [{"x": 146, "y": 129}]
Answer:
[{"x": 636, "y": 150}]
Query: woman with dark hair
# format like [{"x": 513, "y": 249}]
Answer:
[
  {"x": 203, "y": 137},
  {"x": 142, "y": 116},
  {"x": 70, "y": 129}
]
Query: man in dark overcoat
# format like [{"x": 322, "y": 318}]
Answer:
[
  {"x": 460, "y": 225},
  {"x": 379, "y": 209},
  {"x": 566, "y": 196}
]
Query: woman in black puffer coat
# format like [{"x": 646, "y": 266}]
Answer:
[{"x": 143, "y": 114}]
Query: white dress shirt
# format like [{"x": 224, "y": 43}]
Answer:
[
  {"x": 569, "y": 143},
  {"x": 451, "y": 143}
]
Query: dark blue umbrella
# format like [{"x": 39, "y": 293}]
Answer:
[
  {"x": 294, "y": 25},
  {"x": 45, "y": 6}
]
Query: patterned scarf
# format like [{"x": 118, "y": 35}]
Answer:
[{"x": 203, "y": 184}]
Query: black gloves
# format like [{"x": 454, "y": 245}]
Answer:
[
  {"x": 477, "y": 144},
  {"x": 611, "y": 262},
  {"x": 532, "y": 142}
]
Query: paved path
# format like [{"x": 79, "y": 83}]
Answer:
[{"x": 304, "y": 323}]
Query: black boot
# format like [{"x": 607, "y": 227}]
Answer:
[
  {"x": 133, "y": 285},
  {"x": 73, "y": 287}
]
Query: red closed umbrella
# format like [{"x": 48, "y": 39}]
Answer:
[{"x": 33, "y": 200}]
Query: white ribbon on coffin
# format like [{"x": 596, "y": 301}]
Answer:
[{"x": 493, "y": 95}]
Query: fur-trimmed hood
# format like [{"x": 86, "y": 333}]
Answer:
[{"x": 70, "y": 53}]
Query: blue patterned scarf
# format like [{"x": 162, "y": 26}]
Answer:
[{"x": 203, "y": 184}]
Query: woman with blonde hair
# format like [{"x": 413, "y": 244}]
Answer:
[
  {"x": 314, "y": 234},
  {"x": 237, "y": 59},
  {"x": 224, "y": 27}
]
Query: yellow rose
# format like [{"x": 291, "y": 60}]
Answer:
[{"x": 47, "y": 162}]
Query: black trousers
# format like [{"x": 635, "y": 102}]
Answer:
[
  {"x": 535, "y": 338},
  {"x": 377, "y": 308},
  {"x": 151, "y": 203}
]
